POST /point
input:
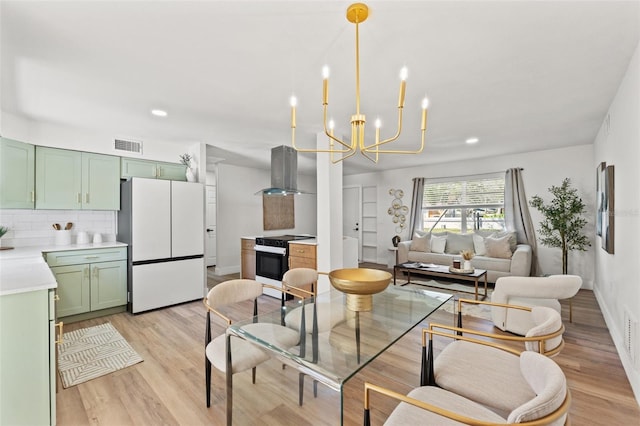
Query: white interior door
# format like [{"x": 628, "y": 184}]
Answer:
[
  {"x": 211, "y": 225},
  {"x": 352, "y": 215}
]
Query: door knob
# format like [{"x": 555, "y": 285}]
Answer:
[{"x": 209, "y": 230}]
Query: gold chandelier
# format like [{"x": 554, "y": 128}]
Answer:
[{"x": 356, "y": 14}]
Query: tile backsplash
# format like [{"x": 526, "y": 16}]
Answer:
[{"x": 35, "y": 227}]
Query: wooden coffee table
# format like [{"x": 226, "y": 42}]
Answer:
[{"x": 440, "y": 271}]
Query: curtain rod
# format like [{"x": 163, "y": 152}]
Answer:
[{"x": 464, "y": 176}]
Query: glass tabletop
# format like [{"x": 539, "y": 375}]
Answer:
[{"x": 339, "y": 342}]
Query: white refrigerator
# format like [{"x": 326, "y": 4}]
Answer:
[{"x": 162, "y": 221}]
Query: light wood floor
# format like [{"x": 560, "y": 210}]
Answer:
[{"x": 168, "y": 387}]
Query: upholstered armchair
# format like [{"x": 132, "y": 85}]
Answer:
[
  {"x": 530, "y": 291},
  {"x": 480, "y": 377},
  {"x": 547, "y": 399}
]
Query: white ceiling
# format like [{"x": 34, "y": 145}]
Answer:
[{"x": 519, "y": 75}]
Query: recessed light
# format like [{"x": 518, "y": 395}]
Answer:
[
  {"x": 159, "y": 113},
  {"x": 472, "y": 140}
]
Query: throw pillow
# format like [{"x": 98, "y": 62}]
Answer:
[
  {"x": 513, "y": 241},
  {"x": 478, "y": 245},
  {"x": 438, "y": 244},
  {"x": 459, "y": 242},
  {"x": 498, "y": 247},
  {"x": 420, "y": 243}
]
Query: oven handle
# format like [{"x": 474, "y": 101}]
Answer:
[{"x": 268, "y": 249}]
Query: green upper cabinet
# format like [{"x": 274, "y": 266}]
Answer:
[
  {"x": 132, "y": 167},
  {"x": 100, "y": 182},
  {"x": 58, "y": 179},
  {"x": 170, "y": 171},
  {"x": 76, "y": 180},
  {"x": 17, "y": 174}
]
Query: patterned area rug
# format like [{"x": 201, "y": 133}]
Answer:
[
  {"x": 461, "y": 292},
  {"x": 92, "y": 352}
]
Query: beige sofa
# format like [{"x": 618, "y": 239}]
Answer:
[{"x": 497, "y": 252}]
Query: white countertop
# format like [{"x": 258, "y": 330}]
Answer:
[
  {"x": 310, "y": 241},
  {"x": 24, "y": 269}
]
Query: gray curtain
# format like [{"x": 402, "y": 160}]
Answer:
[
  {"x": 516, "y": 214},
  {"x": 415, "y": 220}
]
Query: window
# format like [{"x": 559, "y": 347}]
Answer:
[{"x": 464, "y": 204}]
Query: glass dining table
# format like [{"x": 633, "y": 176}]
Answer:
[{"x": 335, "y": 342}]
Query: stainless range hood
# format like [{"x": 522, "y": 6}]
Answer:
[{"x": 284, "y": 172}]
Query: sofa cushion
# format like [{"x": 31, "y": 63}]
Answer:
[
  {"x": 437, "y": 258},
  {"x": 420, "y": 242},
  {"x": 478, "y": 245},
  {"x": 459, "y": 242},
  {"x": 498, "y": 247},
  {"x": 438, "y": 244},
  {"x": 491, "y": 263}
]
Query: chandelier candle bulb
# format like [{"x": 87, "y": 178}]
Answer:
[
  {"x": 403, "y": 86},
  {"x": 325, "y": 85},
  {"x": 425, "y": 104},
  {"x": 293, "y": 101}
]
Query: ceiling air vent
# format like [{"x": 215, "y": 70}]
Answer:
[{"x": 128, "y": 145}]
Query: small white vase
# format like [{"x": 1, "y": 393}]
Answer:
[
  {"x": 467, "y": 265},
  {"x": 191, "y": 177}
]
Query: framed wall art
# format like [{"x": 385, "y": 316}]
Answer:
[
  {"x": 600, "y": 171},
  {"x": 607, "y": 216}
]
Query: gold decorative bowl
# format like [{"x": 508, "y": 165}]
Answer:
[{"x": 359, "y": 284}]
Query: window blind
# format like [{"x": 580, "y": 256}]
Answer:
[{"x": 468, "y": 192}]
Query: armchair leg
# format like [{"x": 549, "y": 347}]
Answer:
[
  {"x": 300, "y": 388},
  {"x": 315, "y": 388},
  {"x": 207, "y": 376},
  {"x": 426, "y": 370},
  {"x": 571, "y": 310},
  {"x": 253, "y": 375},
  {"x": 367, "y": 418}
]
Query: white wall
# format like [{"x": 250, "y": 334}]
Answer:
[
  {"x": 90, "y": 140},
  {"x": 240, "y": 211},
  {"x": 541, "y": 170},
  {"x": 616, "y": 279}
]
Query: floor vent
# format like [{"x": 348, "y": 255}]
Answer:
[
  {"x": 631, "y": 337},
  {"x": 128, "y": 145}
]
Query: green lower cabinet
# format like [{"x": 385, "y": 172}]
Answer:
[
  {"x": 73, "y": 289},
  {"x": 89, "y": 280},
  {"x": 108, "y": 284},
  {"x": 27, "y": 359}
]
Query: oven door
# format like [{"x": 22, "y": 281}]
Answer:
[{"x": 271, "y": 264}]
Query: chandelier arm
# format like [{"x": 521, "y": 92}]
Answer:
[
  {"x": 330, "y": 135},
  {"x": 390, "y": 151},
  {"x": 344, "y": 157},
  {"x": 366, "y": 155},
  {"x": 391, "y": 139}
]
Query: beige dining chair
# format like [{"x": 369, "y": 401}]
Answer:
[{"x": 243, "y": 354}]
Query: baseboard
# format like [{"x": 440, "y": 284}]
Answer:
[
  {"x": 618, "y": 340},
  {"x": 219, "y": 270}
]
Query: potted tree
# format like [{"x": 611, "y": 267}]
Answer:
[{"x": 563, "y": 221}]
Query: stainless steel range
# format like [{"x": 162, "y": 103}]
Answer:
[{"x": 272, "y": 260}]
